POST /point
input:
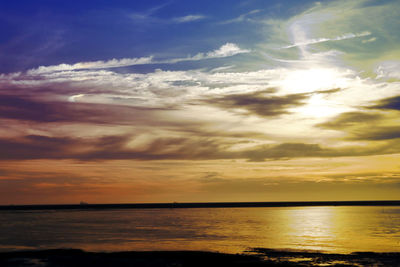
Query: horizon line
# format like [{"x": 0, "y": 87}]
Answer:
[{"x": 84, "y": 205}]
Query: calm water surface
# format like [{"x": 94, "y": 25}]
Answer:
[{"x": 329, "y": 229}]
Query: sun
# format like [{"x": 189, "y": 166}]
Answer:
[
  {"x": 313, "y": 79},
  {"x": 320, "y": 84}
]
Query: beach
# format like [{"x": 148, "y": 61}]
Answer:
[{"x": 257, "y": 257}]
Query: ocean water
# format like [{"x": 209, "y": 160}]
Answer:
[{"x": 233, "y": 230}]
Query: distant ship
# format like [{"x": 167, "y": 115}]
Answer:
[{"x": 83, "y": 203}]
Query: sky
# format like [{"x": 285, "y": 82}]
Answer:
[{"x": 199, "y": 101}]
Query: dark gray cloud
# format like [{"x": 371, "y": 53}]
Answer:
[
  {"x": 41, "y": 111},
  {"x": 330, "y": 91},
  {"x": 259, "y": 103},
  {"x": 285, "y": 150},
  {"x": 303, "y": 150},
  {"x": 115, "y": 148},
  {"x": 38, "y": 111},
  {"x": 170, "y": 148},
  {"x": 108, "y": 148},
  {"x": 36, "y": 147},
  {"x": 365, "y": 126},
  {"x": 388, "y": 103},
  {"x": 350, "y": 119},
  {"x": 13, "y": 107},
  {"x": 159, "y": 149},
  {"x": 379, "y": 133}
]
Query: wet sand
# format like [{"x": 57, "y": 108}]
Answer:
[{"x": 254, "y": 257}]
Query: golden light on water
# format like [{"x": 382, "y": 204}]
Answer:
[
  {"x": 313, "y": 227},
  {"x": 336, "y": 229},
  {"x": 233, "y": 230}
]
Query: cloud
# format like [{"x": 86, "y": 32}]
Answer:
[
  {"x": 307, "y": 150},
  {"x": 242, "y": 17},
  {"x": 285, "y": 150},
  {"x": 357, "y": 125},
  {"x": 147, "y": 15},
  {"x": 259, "y": 103},
  {"x": 226, "y": 50},
  {"x": 100, "y": 64},
  {"x": 189, "y": 18},
  {"x": 108, "y": 148},
  {"x": 36, "y": 147},
  {"x": 388, "y": 69},
  {"x": 388, "y": 103},
  {"x": 118, "y": 147},
  {"x": 379, "y": 133},
  {"x": 350, "y": 119},
  {"x": 370, "y": 40},
  {"x": 75, "y": 97},
  {"x": 322, "y": 40},
  {"x": 40, "y": 111}
]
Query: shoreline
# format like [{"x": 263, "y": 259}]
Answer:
[
  {"x": 86, "y": 206},
  {"x": 253, "y": 257}
]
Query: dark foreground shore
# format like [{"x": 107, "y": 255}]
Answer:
[{"x": 256, "y": 257}]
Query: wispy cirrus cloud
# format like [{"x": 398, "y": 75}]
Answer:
[
  {"x": 370, "y": 40},
  {"x": 149, "y": 16},
  {"x": 242, "y": 17},
  {"x": 322, "y": 40},
  {"x": 100, "y": 64},
  {"x": 226, "y": 50},
  {"x": 189, "y": 18}
]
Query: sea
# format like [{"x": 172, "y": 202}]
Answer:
[{"x": 331, "y": 229}]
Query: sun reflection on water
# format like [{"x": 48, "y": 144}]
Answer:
[{"x": 312, "y": 227}]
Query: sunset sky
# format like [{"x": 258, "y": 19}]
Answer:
[{"x": 199, "y": 101}]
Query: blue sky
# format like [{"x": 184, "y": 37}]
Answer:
[{"x": 49, "y": 32}]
